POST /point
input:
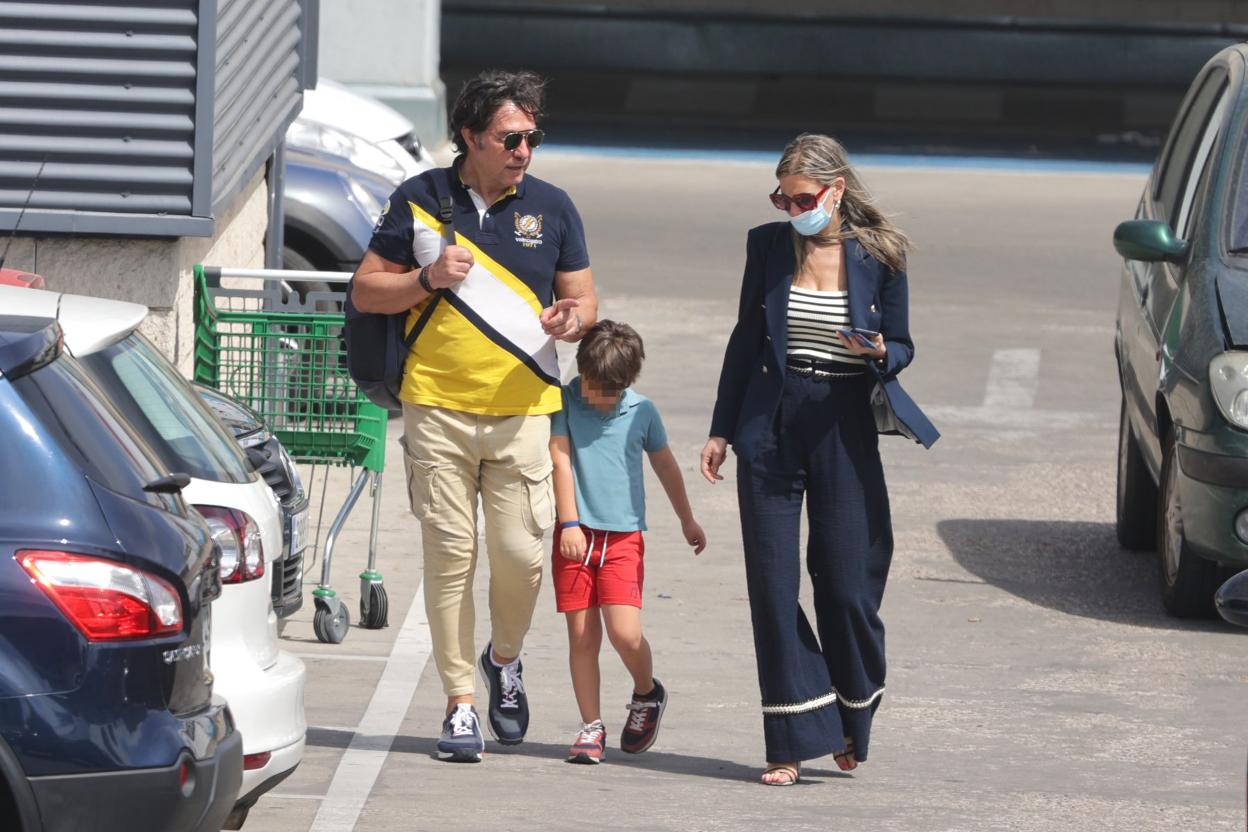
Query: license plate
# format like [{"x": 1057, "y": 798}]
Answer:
[{"x": 298, "y": 531}]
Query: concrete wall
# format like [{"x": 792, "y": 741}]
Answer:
[
  {"x": 389, "y": 49},
  {"x": 155, "y": 273}
]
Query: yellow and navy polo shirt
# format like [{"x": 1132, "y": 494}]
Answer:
[{"x": 483, "y": 349}]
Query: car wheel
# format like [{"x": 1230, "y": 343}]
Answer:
[
  {"x": 1137, "y": 493},
  {"x": 1188, "y": 581}
]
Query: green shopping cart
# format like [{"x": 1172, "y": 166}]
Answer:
[{"x": 281, "y": 353}]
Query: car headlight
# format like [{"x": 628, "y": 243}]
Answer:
[
  {"x": 360, "y": 152},
  {"x": 1228, "y": 378}
]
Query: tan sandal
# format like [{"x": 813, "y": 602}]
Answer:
[{"x": 786, "y": 774}]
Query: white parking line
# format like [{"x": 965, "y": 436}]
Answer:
[
  {"x": 1013, "y": 378},
  {"x": 361, "y": 764},
  {"x": 340, "y": 657}
]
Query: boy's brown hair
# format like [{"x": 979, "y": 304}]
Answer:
[{"x": 610, "y": 355}]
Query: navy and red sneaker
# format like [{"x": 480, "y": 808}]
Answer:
[
  {"x": 590, "y": 745},
  {"x": 644, "y": 715}
]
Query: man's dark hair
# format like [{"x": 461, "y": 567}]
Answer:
[
  {"x": 480, "y": 98},
  {"x": 610, "y": 355}
]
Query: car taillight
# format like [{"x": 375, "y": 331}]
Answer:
[
  {"x": 252, "y": 762},
  {"x": 238, "y": 536},
  {"x": 104, "y": 599}
]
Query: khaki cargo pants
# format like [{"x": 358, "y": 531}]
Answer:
[{"x": 451, "y": 458}]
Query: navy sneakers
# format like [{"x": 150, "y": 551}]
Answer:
[
  {"x": 644, "y": 715},
  {"x": 509, "y": 706},
  {"x": 461, "y": 740}
]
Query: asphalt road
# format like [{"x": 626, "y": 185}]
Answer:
[{"x": 1035, "y": 682}]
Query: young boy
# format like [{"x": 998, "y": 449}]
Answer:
[{"x": 596, "y": 444}]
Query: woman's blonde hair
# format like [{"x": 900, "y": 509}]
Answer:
[{"x": 822, "y": 159}]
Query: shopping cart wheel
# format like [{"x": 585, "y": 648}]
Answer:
[
  {"x": 375, "y": 614},
  {"x": 331, "y": 623}
]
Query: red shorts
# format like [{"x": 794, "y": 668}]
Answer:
[{"x": 610, "y": 577}]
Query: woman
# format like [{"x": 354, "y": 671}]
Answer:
[{"x": 801, "y": 399}]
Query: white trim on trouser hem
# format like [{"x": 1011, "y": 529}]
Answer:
[
  {"x": 822, "y": 702},
  {"x": 859, "y": 704},
  {"x": 801, "y": 707}
]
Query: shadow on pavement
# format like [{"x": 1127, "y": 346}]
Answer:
[
  {"x": 663, "y": 761},
  {"x": 1072, "y": 567}
]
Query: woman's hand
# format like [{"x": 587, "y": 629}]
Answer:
[
  {"x": 876, "y": 352},
  {"x": 572, "y": 543},
  {"x": 713, "y": 455}
]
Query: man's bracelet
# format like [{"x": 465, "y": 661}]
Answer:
[
  {"x": 569, "y": 524},
  {"x": 424, "y": 282}
]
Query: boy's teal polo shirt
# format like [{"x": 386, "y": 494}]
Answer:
[{"x": 606, "y": 456}]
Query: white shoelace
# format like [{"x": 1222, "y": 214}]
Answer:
[
  {"x": 591, "y": 733},
  {"x": 511, "y": 683},
  {"x": 463, "y": 722},
  {"x": 637, "y": 719}
]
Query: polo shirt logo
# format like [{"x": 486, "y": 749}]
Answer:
[{"x": 529, "y": 230}]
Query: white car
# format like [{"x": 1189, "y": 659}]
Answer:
[
  {"x": 371, "y": 134},
  {"x": 263, "y": 684}
]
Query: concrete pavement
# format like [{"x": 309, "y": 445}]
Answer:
[{"x": 1035, "y": 682}]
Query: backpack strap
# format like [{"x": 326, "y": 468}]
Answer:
[{"x": 446, "y": 215}]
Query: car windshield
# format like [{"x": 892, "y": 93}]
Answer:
[
  {"x": 87, "y": 427},
  {"x": 164, "y": 409}
]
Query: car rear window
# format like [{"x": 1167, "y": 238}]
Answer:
[
  {"x": 163, "y": 408},
  {"x": 87, "y": 426}
]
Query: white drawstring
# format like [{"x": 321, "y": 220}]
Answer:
[{"x": 589, "y": 550}]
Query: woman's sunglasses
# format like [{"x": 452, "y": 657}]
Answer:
[
  {"x": 805, "y": 202},
  {"x": 534, "y": 137}
]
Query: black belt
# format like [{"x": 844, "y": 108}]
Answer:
[{"x": 801, "y": 366}]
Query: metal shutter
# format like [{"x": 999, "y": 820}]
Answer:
[
  {"x": 151, "y": 115},
  {"x": 106, "y": 93},
  {"x": 259, "y": 87}
]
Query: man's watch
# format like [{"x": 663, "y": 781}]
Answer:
[{"x": 424, "y": 282}]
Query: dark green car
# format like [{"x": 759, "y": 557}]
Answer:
[{"x": 1182, "y": 346}]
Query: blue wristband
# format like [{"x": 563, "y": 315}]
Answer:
[{"x": 570, "y": 524}]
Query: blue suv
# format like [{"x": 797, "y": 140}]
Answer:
[{"x": 107, "y": 717}]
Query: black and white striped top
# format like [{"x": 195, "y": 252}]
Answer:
[{"x": 814, "y": 318}]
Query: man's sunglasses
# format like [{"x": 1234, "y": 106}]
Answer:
[
  {"x": 534, "y": 137},
  {"x": 806, "y": 202}
]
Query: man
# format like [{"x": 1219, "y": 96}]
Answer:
[{"x": 480, "y": 382}]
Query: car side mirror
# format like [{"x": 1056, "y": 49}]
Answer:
[
  {"x": 1232, "y": 600},
  {"x": 1148, "y": 240}
]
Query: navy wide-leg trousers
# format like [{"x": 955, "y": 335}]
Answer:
[{"x": 819, "y": 685}]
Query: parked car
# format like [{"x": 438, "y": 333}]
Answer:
[
  {"x": 17, "y": 277},
  {"x": 108, "y": 719},
  {"x": 331, "y": 207},
  {"x": 335, "y": 107},
  {"x": 263, "y": 684},
  {"x": 1182, "y": 346},
  {"x": 345, "y": 154},
  {"x": 273, "y": 463}
]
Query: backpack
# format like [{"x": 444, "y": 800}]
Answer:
[{"x": 375, "y": 342}]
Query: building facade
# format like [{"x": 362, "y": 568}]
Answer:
[{"x": 137, "y": 140}]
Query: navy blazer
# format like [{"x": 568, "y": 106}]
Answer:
[{"x": 752, "y": 378}]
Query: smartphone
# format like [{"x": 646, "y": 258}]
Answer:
[{"x": 863, "y": 337}]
